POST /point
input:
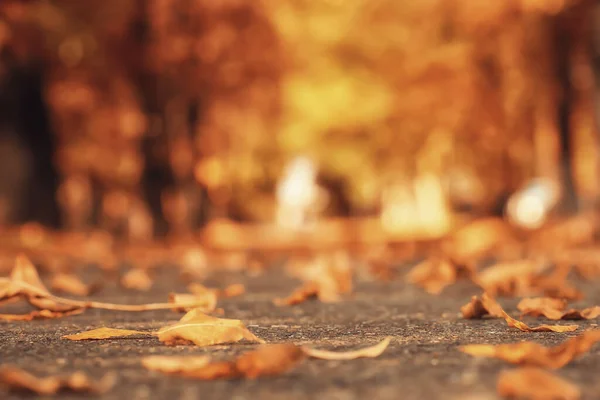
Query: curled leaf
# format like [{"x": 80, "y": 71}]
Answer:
[
  {"x": 16, "y": 378},
  {"x": 366, "y": 352},
  {"x": 495, "y": 309},
  {"x": 103, "y": 333},
  {"x": 300, "y": 295},
  {"x": 555, "y": 309},
  {"x": 535, "y": 384},
  {"x": 204, "y": 330},
  {"x": 206, "y": 302},
  {"x": 475, "y": 309},
  {"x": 533, "y": 354}
]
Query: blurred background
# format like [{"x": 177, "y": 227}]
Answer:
[{"x": 145, "y": 118}]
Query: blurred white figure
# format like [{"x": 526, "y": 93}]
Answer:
[
  {"x": 297, "y": 193},
  {"x": 529, "y": 207}
]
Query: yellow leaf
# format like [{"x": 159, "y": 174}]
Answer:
[
  {"x": 103, "y": 333},
  {"x": 367, "y": 352},
  {"x": 204, "y": 330}
]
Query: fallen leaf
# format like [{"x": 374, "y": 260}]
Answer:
[
  {"x": 16, "y": 378},
  {"x": 41, "y": 314},
  {"x": 533, "y": 354},
  {"x": 535, "y": 384},
  {"x": 267, "y": 360},
  {"x": 367, "y": 352},
  {"x": 204, "y": 330},
  {"x": 495, "y": 309},
  {"x": 205, "y": 303},
  {"x": 433, "y": 275},
  {"x": 103, "y": 333},
  {"x": 509, "y": 278},
  {"x": 476, "y": 309},
  {"x": 69, "y": 283},
  {"x": 555, "y": 309},
  {"x": 137, "y": 279}
]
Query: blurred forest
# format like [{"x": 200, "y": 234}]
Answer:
[{"x": 147, "y": 116}]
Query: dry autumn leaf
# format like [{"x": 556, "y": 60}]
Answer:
[
  {"x": 555, "y": 309},
  {"x": 509, "y": 278},
  {"x": 234, "y": 290},
  {"x": 204, "y": 330},
  {"x": 175, "y": 364},
  {"x": 16, "y": 378},
  {"x": 301, "y": 294},
  {"x": 475, "y": 309},
  {"x": 137, "y": 279},
  {"x": 495, "y": 309},
  {"x": 433, "y": 275},
  {"x": 366, "y": 352},
  {"x": 103, "y": 333},
  {"x": 24, "y": 281},
  {"x": 533, "y": 354},
  {"x": 535, "y": 384},
  {"x": 71, "y": 284}
]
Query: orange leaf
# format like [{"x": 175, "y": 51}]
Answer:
[
  {"x": 103, "y": 333},
  {"x": 533, "y": 354},
  {"x": 41, "y": 314},
  {"x": 495, "y": 309},
  {"x": 535, "y": 384},
  {"x": 16, "y": 378},
  {"x": 367, "y": 352},
  {"x": 433, "y": 275},
  {"x": 554, "y": 309},
  {"x": 137, "y": 279},
  {"x": 69, "y": 283},
  {"x": 206, "y": 302},
  {"x": 204, "y": 330},
  {"x": 476, "y": 309}
]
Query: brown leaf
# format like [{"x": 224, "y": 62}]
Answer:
[
  {"x": 533, "y": 354},
  {"x": 475, "y": 309},
  {"x": 267, "y": 360},
  {"x": 137, "y": 279},
  {"x": 495, "y": 309},
  {"x": 69, "y": 283},
  {"x": 16, "y": 378},
  {"x": 433, "y": 275},
  {"x": 41, "y": 314},
  {"x": 103, "y": 333},
  {"x": 366, "y": 352},
  {"x": 535, "y": 384},
  {"x": 554, "y": 309},
  {"x": 204, "y": 330},
  {"x": 509, "y": 278}
]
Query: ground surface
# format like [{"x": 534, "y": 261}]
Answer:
[{"x": 423, "y": 361}]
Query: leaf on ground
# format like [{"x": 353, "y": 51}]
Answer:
[
  {"x": 433, "y": 275},
  {"x": 234, "y": 290},
  {"x": 509, "y": 278},
  {"x": 206, "y": 302},
  {"x": 137, "y": 279},
  {"x": 494, "y": 308},
  {"x": 103, "y": 333},
  {"x": 267, "y": 360},
  {"x": 39, "y": 314},
  {"x": 475, "y": 309},
  {"x": 16, "y": 378},
  {"x": 71, "y": 284},
  {"x": 327, "y": 277},
  {"x": 534, "y": 354},
  {"x": 366, "y": 352},
  {"x": 555, "y": 309},
  {"x": 204, "y": 330},
  {"x": 535, "y": 384}
]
